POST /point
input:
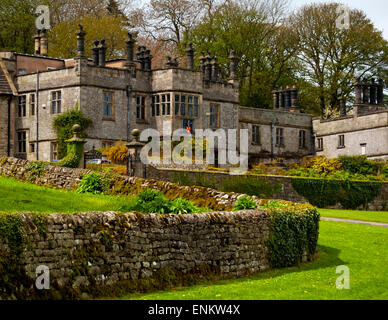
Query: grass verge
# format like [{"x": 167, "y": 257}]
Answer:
[{"x": 372, "y": 216}]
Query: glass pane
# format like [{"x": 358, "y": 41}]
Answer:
[
  {"x": 177, "y": 97},
  {"x": 196, "y": 100},
  {"x": 183, "y": 98},
  {"x": 190, "y": 99},
  {"x": 196, "y": 111},
  {"x": 177, "y": 108},
  {"x": 183, "y": 109},
  {"x": 168, "y": 109}
]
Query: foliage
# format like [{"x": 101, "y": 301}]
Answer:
[
  {"x": 92, "y": 183},
  {"x": 322, "y": 165},
  {"x": 274, "y": 204},
  {"x": 111, "y": 28},
  {"x": 350, "y": 194},
  {"x": 329, "y": 58},
  {"x": 35, "y": 169},
  {"x": 245, "y": 203},
  {"x": 250, "y": 185},
  {"x": 182, "y": 206},
  {"x": 384, "y": 171},
  {"x": 117, "y": 153},
  {"x": 63, "y": 125},
  {"x": 73, "y": 158},
  {"x": 152, "y": 201},
  {"x": 359, "y": 165},
  {"x": 17, "y": 25},
  {"x": 294, "y": 235}
]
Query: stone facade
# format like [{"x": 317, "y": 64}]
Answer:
[
  {"x": 140, "y": 97},
  {"x": 365, "y": 132}
]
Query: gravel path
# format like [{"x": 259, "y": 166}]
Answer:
[{"x": 377, "y": 224}]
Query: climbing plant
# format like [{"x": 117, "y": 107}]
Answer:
[{"x": 63, "y": 125}]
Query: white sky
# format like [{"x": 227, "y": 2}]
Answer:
[{"x": 376, "y": 10}]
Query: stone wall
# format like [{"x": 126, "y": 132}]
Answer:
[
  {"x": 92, "y": 253},
  {"x": 287, "y": 191},
  {"x": 69, "y": 179}
]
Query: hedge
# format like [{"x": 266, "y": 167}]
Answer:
[
  {"x": 326, "y": 192},
  {"x": 294, "y": 235}
]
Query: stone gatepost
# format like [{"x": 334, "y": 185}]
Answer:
[
  {"x": 75, "y": 146},
  {"x": 135, "y": 166}
]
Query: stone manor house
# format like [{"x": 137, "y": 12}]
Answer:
[{"x": 123, "y": 94}]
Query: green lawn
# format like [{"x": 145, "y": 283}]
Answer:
[
  {"x": 364, "y": 249},
  {"x": 16, "y": 196},
  {"x": 374, "y": 216}
]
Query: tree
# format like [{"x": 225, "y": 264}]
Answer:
[
  {"x": 17, "y": 24},
  {"x": 330, "y": 58},
  {"x": 254, "y": 31},
  {"x": 113, "y": 29}
]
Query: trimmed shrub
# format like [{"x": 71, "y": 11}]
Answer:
[
  {"x": 245, "y": 203},
  {"x": 294, "y": 235}
]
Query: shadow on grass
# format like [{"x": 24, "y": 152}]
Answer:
[{"x": 326, "y": 257}]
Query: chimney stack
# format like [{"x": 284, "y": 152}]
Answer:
[
  {"x": 215, "y": 69},
  {"x": 202, "y": 60},
  {"x": 190, "y": 57},
  {"x": 44, "y": 43},
  {"x": 81, "y": 42},
  {"x": 342, "y": 107},
  {"x": 102, "y": 54},
  {"x": 130, "y": 50},
  {"x": 37, "y": 42},
  {"x": 96, "y": 53},
  {"x": 294, "y": 97},
  {"x": 233, "y": 66},
  {"x": 208, "y": 67}
]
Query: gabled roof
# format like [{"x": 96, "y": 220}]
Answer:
[
  {"x": 4, "y": 85},
  {"x": 7, "y": 86}
]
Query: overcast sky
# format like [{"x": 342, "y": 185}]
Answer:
[{"x": 376, "y": 10}]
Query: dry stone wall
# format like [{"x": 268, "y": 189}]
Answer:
[
  {"x": 99, "y": 253},
  {"x": 66, "y": 178}
]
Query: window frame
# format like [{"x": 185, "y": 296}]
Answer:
[
  {"x": 279, "y": 142},
  {"x": 256, "y": 135},
  {"x": 108, "y": 102},
  {"x": 52, "y": 144},
  {"x": 54, "y": 109},
  {"x": 32, "y": 104},
  {"x": 319, "y": 144},
  {"x": 22, "y": 107},
  {"x": 21, "y": 142},
  {"x": 302, "y": 139},
  {"x": 341, "y": 141},
  {"x": 214, "y": 117},
  {"x": 140, "y": 108}
]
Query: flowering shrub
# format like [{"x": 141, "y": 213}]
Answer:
[{"x": 117, "y": 153}]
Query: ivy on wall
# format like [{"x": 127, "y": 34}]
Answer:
[
  {"x": 324, "y": 192},
  {"x": 63, "y": 125}
]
